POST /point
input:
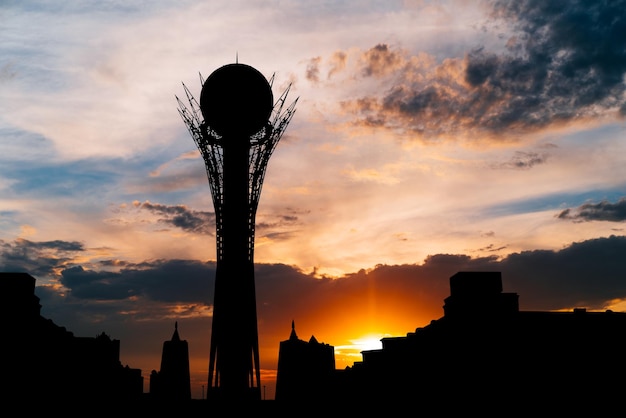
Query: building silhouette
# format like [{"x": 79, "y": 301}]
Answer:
[
  {"x": 483, "y": 354},
  {"x": 172, "y": 382},
  {"x": 45, "y": 361},
  {"x": 485, "y": 351},
  {"x": 236, "y": 127},
  {"x": 304, "y": 369}
]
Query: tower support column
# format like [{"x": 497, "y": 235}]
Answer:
[{"x": 234, "y": 340}]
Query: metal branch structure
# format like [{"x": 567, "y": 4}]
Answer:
[{"x": 235, "y": 161}]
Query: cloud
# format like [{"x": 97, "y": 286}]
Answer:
[
  {"x": 60, "y": 179},
  {"x": 38, "y": 258},
  {"x": 280, "y": 221},
  {"x": 560, "y": 64},
  {"x": 523, "y": 160},
  {"x": 312, "y": 70},
  {"x": 189, "y": 155},
  {"x": 587, "y": 273},
  {"x": 182, "y": 217},
  {"x": 337, "y": 63},
  {"x": 380, "y": 60},
  {"x": 602, "y": 211},
  {"x": 160, "y": 280}
]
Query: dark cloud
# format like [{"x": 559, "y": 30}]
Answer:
[
  {"x": 199, "y": 222},
  {"x": 37, "y": 258},
  {"x": 380, "y": 60},
  {"x": 279, "y": 236},
  {"x": 182, "y": 217},
  {"x": 492, "y": 248},
  {"x": 588, "y": 274},
  {"x": 313, "y": 70},
  {"x": 572, "y": 57},
  {"x": 602, "y": 211},
  {"x": 523, "y": 160},
  {"x": 279, "y": 227},
  {"x": 96, "y": 285},
  {"x": 56, "y": 245},
  {"x": 135, "y": 303},
  {"x": 565, "y": 61},
  {"x": 161, "y": 281},
  {"x": 280, "y": 221},
  {"x": 113, "y": 263}
]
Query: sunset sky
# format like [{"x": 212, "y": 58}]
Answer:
[{"x": 430, "y": 137}]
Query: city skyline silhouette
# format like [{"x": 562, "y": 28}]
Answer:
[
  {"x": 484, "y": 353},
  {"x": 430, "y": 139}
]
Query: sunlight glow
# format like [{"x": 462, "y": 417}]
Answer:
[
  {"x": 370, "y": 342},
  {"x": 347, "y": 355},
  {"x": 616, "y": 305}
]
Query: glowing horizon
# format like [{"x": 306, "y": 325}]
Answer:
[{"x": 429, "y": 138}]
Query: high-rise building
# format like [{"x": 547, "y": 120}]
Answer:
[
  {"x": 172, "y": 382},
  {"x": 304, "y": 369},
  {"x": 486, "y": 352}
]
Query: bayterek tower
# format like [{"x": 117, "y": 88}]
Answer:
[{"x": 236, "y": 127}]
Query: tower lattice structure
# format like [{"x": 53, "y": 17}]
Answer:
[{"x": 236, "y": 161}]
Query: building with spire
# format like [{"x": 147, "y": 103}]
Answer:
[
  {"x": 304, "y": 368},
  {"x": 172, "y": 382}
]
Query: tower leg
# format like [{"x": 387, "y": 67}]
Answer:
[{"x": 234, "y": 360}]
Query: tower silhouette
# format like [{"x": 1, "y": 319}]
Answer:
[
  {"x": 172, "y": 382},
  {"x": 305, "y": 369},
  {"x": 236, "y": 127}
]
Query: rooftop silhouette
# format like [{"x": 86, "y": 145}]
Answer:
[
  {"x": 483, "y": 353},
  {"x": 48, "y": 362}
]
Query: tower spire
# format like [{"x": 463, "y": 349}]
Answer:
[
  {"x": 175, "y": 336},
  {"x": 293, "y": 335}
]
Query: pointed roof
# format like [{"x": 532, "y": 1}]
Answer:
[
  {"x": 293, "y": 335},
  {"x": 175, "y": 337}
]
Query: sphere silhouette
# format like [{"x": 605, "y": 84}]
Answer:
[{"x": 236, "y": 100}]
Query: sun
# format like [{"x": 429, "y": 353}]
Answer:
[
  {"x": 369, "y": 342},
  {"x": 348, "y": 354}
]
